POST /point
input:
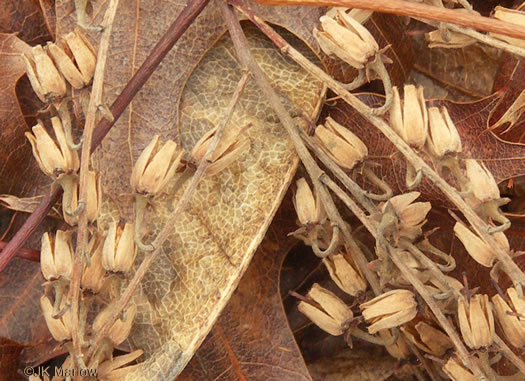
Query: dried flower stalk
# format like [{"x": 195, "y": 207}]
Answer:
[
  {"x": 82, "y": 236},
  {"x": 514, "y": 272}
]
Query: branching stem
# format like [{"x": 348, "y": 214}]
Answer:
[
  {"x": 514, "y": 272},
  {"x": 511, "y": 356},
  {"x": 82, "y": 231},
  {"x": 246, "y": 59},
  {"x": 171, "y": 222}
]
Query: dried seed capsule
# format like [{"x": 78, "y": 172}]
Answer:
[
  {"x": 513, "y": 324},
  {"x": 511, "y": 16},
  {"x": 476, "y": 321},
  {"x": 347, "y": 39},
  {"x": 94, "y": 198},
  {"x": 83, "y": 52},
  {"x": 93, "y": 274},
  {"x": 443, "y": 136},
  {"x": 119, "y": 331},
  {"x": 343, "y": 272},
  {"x": 411, "y": 214},
  {"x": 455, "y": 41},
  {"x": 232, "y": 145},
  {"x": 56, "y": 255},
  {"x": 308, "y": 208},
  {"x": 119, "y": 251},
  {"x": 65, "y": 65},
  {"x": 345, "y": 148},
  {"x": 155, "y": 167},
  {"x": 399, "y": 349},
  {"x": 410, "y": 118},
  {"x": 478, "y": 249},
  {"x": 53, "y": 160},
  {"x": 389, "y": 310},
  {"x": 456, "y": 371},
  {"x": 481, "y": 181},
  {"x": 45, "y": 79},
  {"x": 61, "y": 327},
  {"x": 70, "y": 201},
  {"x": 333, "y": 316},
  {"x": 429, "y": 339}
]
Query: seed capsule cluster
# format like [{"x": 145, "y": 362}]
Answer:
[{"x": 395, "y": 316}]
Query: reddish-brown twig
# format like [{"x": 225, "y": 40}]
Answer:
[
  {"x": 172, "y": 35},
  {"x": 25, "y": 253},
  {"x": 406, "y": 8}
]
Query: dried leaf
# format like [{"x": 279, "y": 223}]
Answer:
[
  {"x": 9, "y": 359},
  {"x": 229, "y": 213},
  {"x": 243, "y": 345},
  {"x": 26, "y": 19},
  {"x": 20, "y": 317},
  {"x": 469, "y": 70},
  {"x": 14, "y": 179}
]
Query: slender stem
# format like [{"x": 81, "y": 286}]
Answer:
[
  {"x": 170, "y": 223},
  {"x": 358, "y": 81},
  {"x": 244, "y": 56},
  {"x": 356, "y": 332},
  {"x": 372, "y": 177},
  {"x": 406, "y": 8},
  {"x": 172, "y": 35},
  {"x": 429, "y": 264},
  {"x": 441, "y": 318},
  {"x": 484, "y": 363},
  {"x": 511, "y": 356},
  {"x": 347, "y": 200},
  {"x": 95, "y": 100},
  {"x": 24, "y": 253},
  {"x": 379, "y": 67},
  {"x": 332, "y": 247},
  {"x": 427, "y": 365},
  {"x": 483, "y": 38},
  {"x": 481, "y": 227}
]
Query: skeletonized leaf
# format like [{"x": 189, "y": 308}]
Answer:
[{"x": 252, "y": 338}]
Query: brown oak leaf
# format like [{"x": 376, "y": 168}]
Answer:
[{"x": 21, "y": 180}]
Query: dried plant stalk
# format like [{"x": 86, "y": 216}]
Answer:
[
  {"x": 246, "y": 59},
  {"x": 314, "y": 171},
  {"x": 82, "y": 233},
  {"x": 170, "y": 223},
  {"x": 483, "y": 38},
  {"x": 415, "y": 160},
  {"x": 514, "y": 272}
]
